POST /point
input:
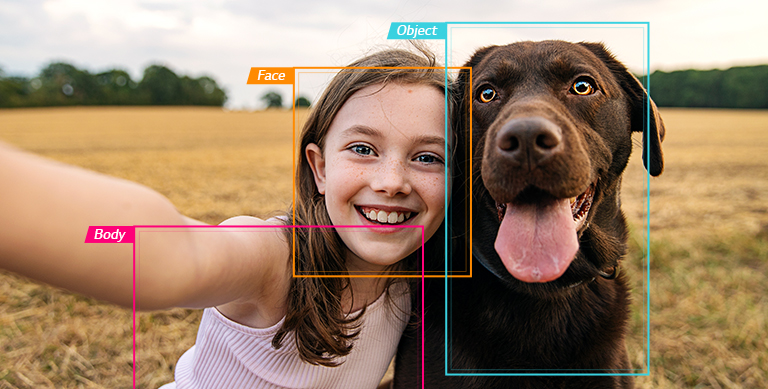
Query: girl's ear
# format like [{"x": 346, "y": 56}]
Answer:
[{"x": 317, "y": 164}]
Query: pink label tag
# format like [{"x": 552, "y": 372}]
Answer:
[{"x": 109, "y": 234}]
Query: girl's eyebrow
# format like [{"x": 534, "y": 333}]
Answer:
[
  {"x": 362, "y": 130},
  {"x": 372, "y": 132},
  {"x": 430, "y": 140}
]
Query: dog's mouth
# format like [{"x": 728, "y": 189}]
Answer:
[
  {"x": 538, "y": 234},
  {"x": 580, "y": 206}
]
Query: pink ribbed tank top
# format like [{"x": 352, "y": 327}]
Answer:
[{"x": 230, "y": 355}]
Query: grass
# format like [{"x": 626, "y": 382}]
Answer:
[{"x": 708, "y": 248}]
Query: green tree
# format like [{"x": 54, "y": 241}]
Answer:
[
  {"x": 117, "y": 88},
  {"x": 202, "y": 91},
  {"x": 302, "y": 102},
  {"x": 160, "y": 86},
  {"x": 273, "y": 99},
  {"x": 746, "y": 86},
  {"x": 64, "y": 84},
  {"x": 13, "y": 91}
]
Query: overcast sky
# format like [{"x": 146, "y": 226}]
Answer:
[{"x": 224, "y": 39}]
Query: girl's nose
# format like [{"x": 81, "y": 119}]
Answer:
[{"x": 391, "y": 178}]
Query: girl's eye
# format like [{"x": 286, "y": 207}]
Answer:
[
  {"x": 429, "y": 159},
  {"x": 487, "y": 95},
  {"x": 582, "y": 88},
  {"x": 362, "y": 149}
]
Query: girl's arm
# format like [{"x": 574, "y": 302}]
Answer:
[{"x": 46, "y": 208}]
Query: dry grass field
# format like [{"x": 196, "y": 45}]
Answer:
[
  {"x": 709, "y": 250},
  {"x": 709, "y": 241}
]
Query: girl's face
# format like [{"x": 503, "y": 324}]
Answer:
[{"x": 384, "y": 165}]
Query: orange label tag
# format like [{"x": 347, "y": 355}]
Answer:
[{"x": 271, "y": 76}]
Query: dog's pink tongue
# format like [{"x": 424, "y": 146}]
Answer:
[{"x": 537, "y": 242}]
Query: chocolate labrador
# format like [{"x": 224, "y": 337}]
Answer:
[{"x": 551, "y": 129}]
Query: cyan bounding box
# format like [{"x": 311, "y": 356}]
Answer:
[
  {"x": 417, "y": 31},
  {"x": 449, "y": 371}
]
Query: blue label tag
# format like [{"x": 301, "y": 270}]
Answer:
[{"x": 417, "y": 31}]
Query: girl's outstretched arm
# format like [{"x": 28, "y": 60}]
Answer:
[{"x": 46, "y": 208}]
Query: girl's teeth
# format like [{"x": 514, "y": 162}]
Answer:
[{"x": 387, "y": 217}]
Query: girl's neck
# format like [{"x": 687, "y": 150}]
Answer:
[
  {"x": 364, "y": 285},
  {"x": 362, "y": 292}
]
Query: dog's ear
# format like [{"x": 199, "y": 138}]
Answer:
[
  {"x": 653, "y": 159},
  {"x": 655, "y": 135},
  {"x": 458, "y": 219},
  {"x": 464, "y": 87},
  {"x": 463, "y": 80},
  {"x": 462, "y": 94}
]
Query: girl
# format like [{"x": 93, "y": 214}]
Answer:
[{"x": 373, "y": 157}]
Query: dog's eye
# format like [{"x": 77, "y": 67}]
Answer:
[
  {"x": 487, "y": 95},
  {"x": 583, "y": 88}
]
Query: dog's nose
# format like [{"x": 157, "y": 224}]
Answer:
[{"x": 529, "y": 141}]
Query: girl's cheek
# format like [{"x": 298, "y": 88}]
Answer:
[
  {"x": 345, "y": 168},
  {"x": 434, "y": 185}
]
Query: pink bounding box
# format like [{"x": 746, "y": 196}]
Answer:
[{"x": 150, "y": 227}]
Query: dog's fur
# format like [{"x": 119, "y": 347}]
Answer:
[{"x": 575, "y": 322}]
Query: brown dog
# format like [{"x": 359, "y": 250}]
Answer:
[{"x": 552, "y": 125}]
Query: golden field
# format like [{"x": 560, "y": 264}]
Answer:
[{"x": 708, "y": 222}]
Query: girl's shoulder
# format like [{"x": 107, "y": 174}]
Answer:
[
  {"x": 263, "y": 276},
  {"x": 265, "y": 240},
  {"x": 243, "y": 220}
]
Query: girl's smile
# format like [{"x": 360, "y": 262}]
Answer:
[{"x": 382, "y": 166}]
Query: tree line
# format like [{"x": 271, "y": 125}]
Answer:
[
  {"x": 274, "y": 99},
  {"x": 61, "y": 84},
  {"x": 737, "y": 87}
]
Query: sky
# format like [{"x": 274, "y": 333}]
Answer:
[{"x": 224, "y": 39}]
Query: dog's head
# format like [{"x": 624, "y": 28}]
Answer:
[{"x": 552, "y": 125}]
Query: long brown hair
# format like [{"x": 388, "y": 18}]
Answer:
[{"x": 323, "y": 331}]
